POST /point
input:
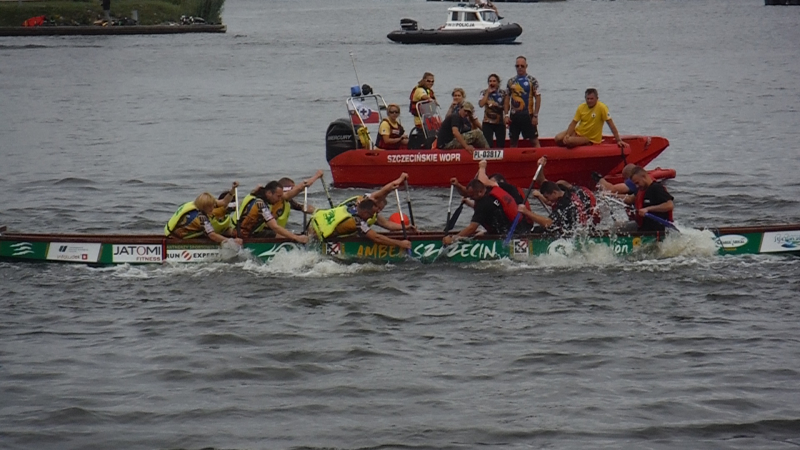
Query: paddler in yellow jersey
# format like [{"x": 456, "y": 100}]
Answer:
[
  {"x": 191, "y": 220},
  {"x": 379, "y": 197},
  {"x": 329, "y": 223},
  {"x": 281, "y": 209},
  {"x": 255, "y": 212}
]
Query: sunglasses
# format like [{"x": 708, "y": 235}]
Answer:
[
  {"x": 520, "y": 65},
  {"x": 429, "y": 81},
  {"x": 394, "y": 112}
]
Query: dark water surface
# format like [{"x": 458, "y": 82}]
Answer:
[{"x": 682, "y": 349}]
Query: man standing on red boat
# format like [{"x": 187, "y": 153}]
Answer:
[{"x": 521, "y": 106}]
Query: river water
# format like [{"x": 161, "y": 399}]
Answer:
[{"x": 678, "y": 350}]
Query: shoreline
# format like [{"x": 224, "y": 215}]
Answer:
[{"x": 94, "y": 30}]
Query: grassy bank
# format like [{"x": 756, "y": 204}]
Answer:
[{"x": 81, "y": 12}]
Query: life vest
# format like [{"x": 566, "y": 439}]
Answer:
[
  {"x": 586, "y": 204},
  {"x": 281, "y": 212},
  {"x": 639, "y": 204},
  {"x": 527, "y": 204},
  {"x": 221, "y": 224},
  {"x": 245, "y": 208},
  {"x": 507, "y": 202},
  {"x": 394, "y": 133},
  {"x": 363, "y": 137},
  {"x": 188, "y": 212},
  {"x": 412, "y": 107},
  {"x": 352, "y": 206},
  {"x": 325, "y": 221}
]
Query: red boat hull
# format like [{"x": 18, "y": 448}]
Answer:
[{"x": 434, "y": 168}]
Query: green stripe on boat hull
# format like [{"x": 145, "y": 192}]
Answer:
[{"x": 426, "y": 247}]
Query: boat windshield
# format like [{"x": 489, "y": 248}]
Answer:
[
  {"x": 489, "y": 16},
  {"x": 471, "y": 17}
]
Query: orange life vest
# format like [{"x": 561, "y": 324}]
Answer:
[
  {"x": 395, "y": 133},
  {"x": 507, "y": 202}
]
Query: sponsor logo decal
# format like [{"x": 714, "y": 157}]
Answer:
[
  {"x": 136, "y": 253},
  {"x": 488, "y": 155},
  {"x": 561, "y": 247},
  {"x": 74, "y": 252},
  {"x": 520, "y": 247},
  {"x": 192, "y": 254},
  {"x": 730, "y": 241},
  {"x": 333, "y": 248},
  {"x": 780, "y": 241},
  {"x": 340, "y": 137},
  {"x": 424, "y": 157},
  {"x": 21, "y": 248},
  {"x": 282, "y": 248}
]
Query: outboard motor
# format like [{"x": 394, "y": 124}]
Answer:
[
  {"x": 408, "y": 24},
  {"x": 340, "y": 138}
]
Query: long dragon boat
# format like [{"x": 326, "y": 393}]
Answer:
[{"x": 104, "y": 249}]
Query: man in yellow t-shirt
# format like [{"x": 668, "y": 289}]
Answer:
[{"x": 586, "y": 127}]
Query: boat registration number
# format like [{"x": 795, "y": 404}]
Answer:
[{"x": 488, "y": 155}]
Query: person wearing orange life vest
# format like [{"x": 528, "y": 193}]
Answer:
[
  {"x": 495, "y": 210},
  {"x": 651, "y": 197},
  {"x": 391, "y": 135},
  {"x": 422, "y": 91}
]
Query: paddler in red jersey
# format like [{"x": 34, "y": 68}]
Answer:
[{"x": 495, "y": 210}]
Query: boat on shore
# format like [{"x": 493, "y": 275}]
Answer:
[
  {"x": 466, "y": 24},
  {"x": 356, "y": 162},
  {"x": 427, "y": 247}
]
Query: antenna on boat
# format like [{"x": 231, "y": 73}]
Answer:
[{"x": 354, "y": 68}]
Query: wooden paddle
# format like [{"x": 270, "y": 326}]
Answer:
[
  {"x": 408, "y": 200},
  {"x": 449, "y": 207},
  {"x": 402, "y": 220},
  {"x": 507, "y": 240},
  {"x": 327, "y": 193},
  {"x": 305, "y": 209},
  {"x": 236, "y": 199}
]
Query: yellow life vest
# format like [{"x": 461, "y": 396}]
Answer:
[
  {"x": 245, "y": 208},
  {"x": 283, "y": 218},
  {"x": 222, "y": 225},
  {"x": 352, "y": 204},
  {"x": 175, "y": 220},
  {"x": 325, "y": 221}
]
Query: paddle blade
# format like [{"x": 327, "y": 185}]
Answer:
[
  {"x": 507, "y": 240},
  {"x": 664, "y": 222},
  {"x": 451, "y": 222}
]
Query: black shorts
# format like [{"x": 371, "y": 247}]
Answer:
[{"x": 521, "y": 123}]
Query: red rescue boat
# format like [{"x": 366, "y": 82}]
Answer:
[{"x": 354, "y": 161}]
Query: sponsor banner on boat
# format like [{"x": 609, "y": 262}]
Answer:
[
  {"x": 780, "y": 241},
  {"x": 192, "y": 254},
  {"x": 151, "y": 253},
  {"x": 424, "y": 157},
  {"x": 73, "y": 252},
  {"x": 489, "y": 155},
  {"x": 732, "y": 241},
  {"x": 23, "y": 249}
]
